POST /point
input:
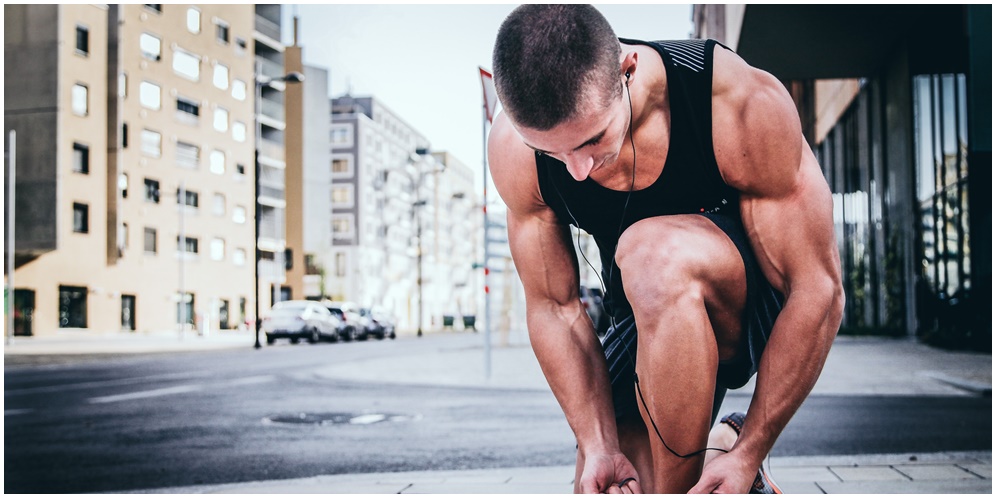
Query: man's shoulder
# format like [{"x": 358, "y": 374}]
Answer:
[{"x": 513, "y": 166}]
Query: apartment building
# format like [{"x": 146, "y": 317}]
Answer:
[
  {"x": 134, "y": 186},
  {"x": 895, "y": 101}
]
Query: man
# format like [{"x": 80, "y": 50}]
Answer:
[{"x": 714, "y": 224}]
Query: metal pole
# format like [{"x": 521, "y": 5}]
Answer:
[
  {"x": 487, "y": 253},
  {"x": 257, "y": 96},
  {"x": 181, "y": 204},
  {"x": 418, "y": 237},
  {"x": 11, "y": 161}
]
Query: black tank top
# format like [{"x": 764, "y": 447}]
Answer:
[{"x": 689, "y": 182}]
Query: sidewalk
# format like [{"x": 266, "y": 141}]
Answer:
[{"x": 856, "y": 365}]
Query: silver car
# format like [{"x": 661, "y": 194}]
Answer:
[{"x": 296, "y": 320}]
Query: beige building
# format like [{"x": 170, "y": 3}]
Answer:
[{"x": 134, "y": 165}]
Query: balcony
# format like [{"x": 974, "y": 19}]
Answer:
[
  {"x": 267, "y": 27},
  {"x": 269, "y": 68},
  {"x": 272, "y": 150}
]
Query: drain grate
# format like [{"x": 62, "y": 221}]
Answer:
[{"x": 337, "y": 418}]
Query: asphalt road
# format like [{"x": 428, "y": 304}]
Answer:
[{"x": 118, "y": 423}]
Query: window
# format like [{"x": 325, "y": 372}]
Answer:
[
  {"x": 188, "y": 110},
  {"x": 187, "y": 244},
  {"x": 124, "y": 135},
  {"x": 81, "y": 158},
  {"x": 152, "y": 143},
  {"x": 152, "y": 190},
  {"x": 342, "y": 135},
  {"x": 81, "y": 218},
  {"x": 221, "y": 119},
  {"x": 340, "y": 264},
  {"x": 193, "y": 20},
  {"x": 221, "y": 31},
  {"x": 239, "y": 131},
  {"x": 150, "y": 240},
  {"x": 221, "y": 76},
  {"x": 187, "y": 65},
  {"x": 149, "y": 95},
  {"x": 342, "y": 167},
  {"x": 239, "y": 90},
  {"x": 123, "y": 236},
  {"x": 342, "y": 196},
  {"x": 239, "y": 214},
  {"x": 72, "y": 306},
  {"x": 240, "y": 45},
  {"x": 217, "y": 249},
  {"x": 185, "y": 309},
  {"x": 123, "y": 85},
  {"x": 239, "y": 257},
  {"x": 218, "y": 206},
  {"x": 342, "y": 226},
  {"x": 188, "y": 198},
  {"x": 240, "y": 169},
  {"x": 151, "y": 46},
  {"x": 217, "y": 162},
  {"x": 82, "y": 40},
  {"x": 81, "y": 105},
  {"x": 155, "y": 7},
  {"x": 123, "y": 185},
  {"x": 187, "y": 155}
]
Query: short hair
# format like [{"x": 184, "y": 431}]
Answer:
[{"x": 547, "y": 56}]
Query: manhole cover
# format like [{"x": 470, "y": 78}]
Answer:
[{"x": 337, "y": 418}]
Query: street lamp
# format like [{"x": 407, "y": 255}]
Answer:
[
  {"x": 261, "y": 81},
  {"x": 416, "y": 180}
]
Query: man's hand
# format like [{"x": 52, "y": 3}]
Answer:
[
  {"x": 727, "y": 473},
  {"x": 603, "y": 474}
]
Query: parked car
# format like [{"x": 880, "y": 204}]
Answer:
[
  {"x": 591, "y": 298},
  {"x": 296, "y": 320},
  {"x": 380, "y": 323},
  {"x": 355, "y": 325}
]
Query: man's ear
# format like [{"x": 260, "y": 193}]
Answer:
[{"x": 627, "y": 65}]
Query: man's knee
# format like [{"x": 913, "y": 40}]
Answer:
[{"x": 659, "y": 266}]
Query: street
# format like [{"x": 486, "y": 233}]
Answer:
[{"x": 133, "y": 422}]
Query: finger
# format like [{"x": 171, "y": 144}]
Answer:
[
  {"x": 632, "y": 488},
  {"x": 614, "y": 489}
]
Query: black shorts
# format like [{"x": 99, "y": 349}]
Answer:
[{"x": 762, "y": 306}]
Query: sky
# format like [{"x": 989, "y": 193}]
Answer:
[{"x": 421, "y": 61}]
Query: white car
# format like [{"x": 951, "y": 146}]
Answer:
[{"x": 296, "y": 320}]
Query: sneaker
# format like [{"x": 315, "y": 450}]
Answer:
[{"x": 763, "y": 484}]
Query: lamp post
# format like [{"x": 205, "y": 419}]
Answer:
[
  {"x": 261, "y": 81},
  {"x": 416, "y": 181}
]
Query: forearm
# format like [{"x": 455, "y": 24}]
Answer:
[
  {"x": 790, "y": 366},
  {"x": 571, "y": 358}
]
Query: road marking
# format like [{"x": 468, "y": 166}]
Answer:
[
  {"x": 17, "y": 411},
  {"x": 147, "y": 394},
  {"x": 372, "y": 418},
  {"x": 259, "y": 379},
  {"x": 102, "y": 383}
]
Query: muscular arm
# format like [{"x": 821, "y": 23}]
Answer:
[
  {"x": 560, "y": 331},
  {"x": 788, "y": 214}
]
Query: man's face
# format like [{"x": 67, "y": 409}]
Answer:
[{"x": 587, "y": 143}]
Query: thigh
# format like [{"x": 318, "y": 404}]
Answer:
[{"x": 669, "y": 257}]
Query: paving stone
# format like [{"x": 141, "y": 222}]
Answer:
[
  {"x": 873, "y": 473},
  {"x": 813, "y": 473},
  {"x": 934, "y": 472},
  {"x": 488, "y": 489},
  {"x": 960, "y": 486},
  {"x": 800, "y": 488}
]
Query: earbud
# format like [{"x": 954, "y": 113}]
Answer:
[{"x": 627, "y": 76}]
